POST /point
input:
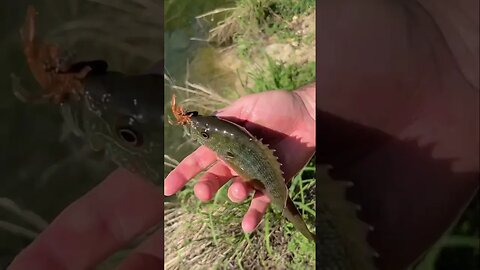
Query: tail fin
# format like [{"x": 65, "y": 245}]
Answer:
[{"x": 293, "y": 215}]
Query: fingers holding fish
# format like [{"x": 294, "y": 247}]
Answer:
[
  {"x": 192, "y": 165},
  {"x": 255, "y": 212},
  {"x": 239, "y": 190},
  {"x": 212, "y": 181}
]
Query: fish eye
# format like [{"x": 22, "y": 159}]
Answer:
[
  {"x": 130, "y": 136},
  {"x": 205, "y": 134}
]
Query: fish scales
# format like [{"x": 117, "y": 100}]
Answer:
[{"x": 250, "y": 159}]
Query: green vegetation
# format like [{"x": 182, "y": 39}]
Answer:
[
  {"x": 458, "y": 249},
  {"x": 253, "y": 23},
  {"x": 282, "y": 76},
  {"x": 198, "y": 234}
]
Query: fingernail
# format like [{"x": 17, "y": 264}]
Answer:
[
  {"x": 236, "y": 193},
  {"x": 167, "y": 191},
  {"x": 248, "y": 227}
]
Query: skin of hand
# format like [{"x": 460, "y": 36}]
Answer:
[{"x": 294, "y": 118}]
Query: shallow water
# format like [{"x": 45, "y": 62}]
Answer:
[{"x": 184, "y": 35}]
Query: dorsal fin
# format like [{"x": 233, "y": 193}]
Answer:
[{"x": 273, "y": 160}]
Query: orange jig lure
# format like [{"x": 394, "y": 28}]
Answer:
[
  {"x": 45, "y": 63},
  {"x": 181, "y": 116}
]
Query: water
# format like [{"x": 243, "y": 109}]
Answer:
[{"x": 184, "y": 35}]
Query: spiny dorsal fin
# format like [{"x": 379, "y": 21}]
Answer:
[{"x": 273, "y": 159}]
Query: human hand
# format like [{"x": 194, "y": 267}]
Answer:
[
  {"x": 101, "y": 222},
  {"x": 290, "y": 120},
  {"x": 397, "y": 98}
]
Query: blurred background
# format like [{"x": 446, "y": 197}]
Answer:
[{"x": 43, "y": 166}]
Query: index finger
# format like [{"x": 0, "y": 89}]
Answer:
[{"x": 196, "y": 162}]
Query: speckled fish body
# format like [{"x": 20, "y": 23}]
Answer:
[
  {"x": 250, "y": 159},
  {"x": 115, "y": 112}
]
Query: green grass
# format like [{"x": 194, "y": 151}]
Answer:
[
  {"x": 274, "y": 244},
  {"x": 459, "y": 248},
  {"x": 271, "y": 20},
  {"x": 282, "y": 76},
  {"x": 250, "y": 22}
]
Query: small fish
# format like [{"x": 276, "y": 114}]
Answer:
[
  {"x": 120, "y": 114},
  {"x": 123, "y": 114},
  {"x": 247, "y": 156}
]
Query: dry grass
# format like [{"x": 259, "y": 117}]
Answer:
[
  {"x": 200, "y": 97},
  {"x": 201, "y": 236}
]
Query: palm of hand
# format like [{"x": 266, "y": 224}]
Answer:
[{"x": 281, "y": 120}]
